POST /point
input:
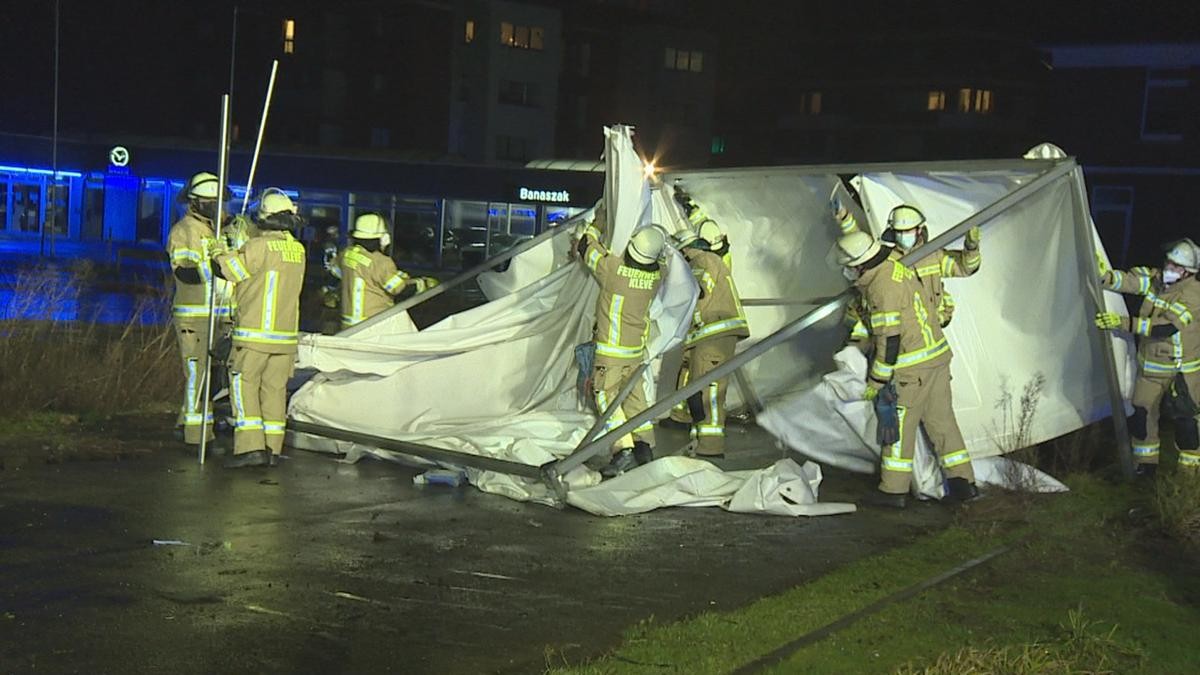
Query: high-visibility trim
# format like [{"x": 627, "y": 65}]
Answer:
[
  {"x": 948, "y": 265},
  {"x": 894, "y": 464},
  {"x": 348, "y": 321},
  {"x": 1178, "y": 309},
  {"x": 1145, "y": 450},
  {"x": 643, "y": 428},
  {"x": 188, "y": 254},
  {"x": 395, "y": 282},
  {"x": 697, "y": 216},
  {"x": 1141, "y": 326},
  {"x": 593, "y": 259},
  {"x": 849, "y": 224},
  {"x": 236, "y": 398},
  {"x": 356, "y": 299},
  {"x": 266, "y": 337},
  {"x": 884, "y": 319},
  {"x": 920, "y": 356},
  {"x": 900, "y": 272},
  {"x": 882, "y": 371},
  {"x": 930, "y": 270},
  {"x": 1157, "y": 367},
  {"x": 268, "y": 311},
  {"x": 593, "y": 232},
  {"x": 614, "y": 318},
  {"x": 1189, "y": 460},
  {"x": 274, "y": 427},
  {"x": 1118, "y": 278},
  {"x": 716, "y": 328},
  {"x": 192, "y": 403},
  {"x": 714, "y": 406},
  {"x": 1177, "y": 346},
  {"x": 248, "y": 424},
  {"x": 196, "y": 419},
  {"x": 954, "y": 459},
  {"x": 1144, "y": 284},
  {"x": 238, "y": 270},
  {"x": 971, "y": 259},
  {"x": 923, "y": 319},
  {"x": 859, "y": 331},
  {"x": 710, "y": 430},
  {"x": 617, "y": 351},
  {"x": 707, "y": 281},
  {"x": 184, "y": 311}
]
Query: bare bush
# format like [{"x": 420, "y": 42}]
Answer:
[{"x": 54, "y": 358}]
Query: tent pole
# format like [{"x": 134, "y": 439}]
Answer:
[
  {"x": 1103, "y": 341},
  {"x": 461, "y": 278},
  {"x": 811, "y": 318},
  {"x": 879, "y": 167},
  {"x": 417, "y": 449}
]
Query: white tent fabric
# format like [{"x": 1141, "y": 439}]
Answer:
[{"x": 499, "y": 380}]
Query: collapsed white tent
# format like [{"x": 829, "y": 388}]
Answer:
[{"x": 499, "y": 380}]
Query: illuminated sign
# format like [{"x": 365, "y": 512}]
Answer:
[
  {"x": 119, "y": 156},
  {"x": 552, "y": 196}
]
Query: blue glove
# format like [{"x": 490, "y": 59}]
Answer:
[{"x": 887, "y": 414}]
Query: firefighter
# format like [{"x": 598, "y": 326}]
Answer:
[
  {"x": 370, "y": 280},
  {"x": 906, "y": 227},
  {"x": 268, "y": 275},
  {"x": 190, "y": 245},
  {"x": 718, "y": 323},
  {"x": 1168, "y": 351},
  {"x": 912, "y": 356},
  {"x": 628, "y": 283}
]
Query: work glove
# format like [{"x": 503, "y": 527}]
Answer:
[
  {"x": 430, "y": 282},
  {"x": 871, "y": 393},
  {"x": 974, "y": 236},
  {"x": 836, "y": 208},
  {"x": 1110, "y": 321},
  {"x": 887, "y": 415}
]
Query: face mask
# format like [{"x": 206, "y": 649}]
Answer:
[
  {"x": 1170, "y": 276},
  {"x": 851, "y": 274},
  {"x": 906, "y": 240}
]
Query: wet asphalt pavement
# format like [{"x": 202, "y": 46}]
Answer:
[{"x": 324, "y": 567}]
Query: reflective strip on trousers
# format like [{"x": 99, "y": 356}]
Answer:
[
  {"x": 955, "y": 459},
  {"x": 1189, "y": 460},
  {"x": 272, "y": 427},
  {"x": 1145, "y": 450}
]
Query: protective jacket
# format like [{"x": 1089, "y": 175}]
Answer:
[
  {"x": 626, "y": 291},
  {"x": 899, "y": 307},
  {"x": 190, "y": 244},
  {"x": 370, "y": 279},
  {"x": 719, "y": 308},
  {"x": 268, "y": 275},
  {"x": 1174, "y": 305}
]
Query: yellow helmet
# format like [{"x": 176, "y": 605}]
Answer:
[
  {"x": 857, "y": 248},
  {"x": 905, "y": 217},
  {"x": 372, "y": 226}
]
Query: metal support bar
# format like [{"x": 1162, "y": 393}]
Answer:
[
  {"x": 418, "y": 450},
  {"x": 1057, "y": 170},
  {"x": 222, "y": 184},
  {"x": 877, "y": 167},
  {"x": 600, "y": 422},
  {"x": 463, "y": 277},
  {"x": 1091, "y": 282},
  {"x": 783, "y": 302}
]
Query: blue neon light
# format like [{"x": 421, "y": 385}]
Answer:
[{"x": 40, "y": 172}]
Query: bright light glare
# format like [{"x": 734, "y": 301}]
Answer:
[{"x": 650, "y": 169}]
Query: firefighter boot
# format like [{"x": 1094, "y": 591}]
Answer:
[{"x": 621, "y": 462}]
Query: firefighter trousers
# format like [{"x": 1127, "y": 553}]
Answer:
[
  {"x": 1149, "y": 394},
  {"x": 258, "y": 392},
  {"x": 192, "y": 336},
  {"x": 708, "y": 406},
  {"x": 609, "y": 376},
  {"x": 681, "y": 413},
  {"x": 924, "y": 401}
]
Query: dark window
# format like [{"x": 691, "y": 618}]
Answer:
[
  {"x": 518, "y": 93},
  {"x": 512, "y": 148},
  {"x": 1166, "y": 109},
  {"x": 683, "y": 60}
]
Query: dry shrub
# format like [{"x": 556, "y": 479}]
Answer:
[
  {"x": 51, "y": 358},
  {"x": 1013, "y": 430}
]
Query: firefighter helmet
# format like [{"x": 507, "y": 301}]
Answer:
[
  {"x": 646, "y": 245},
  {"x": 856, "y": 248},
  {"x": 905, "y": 217}
]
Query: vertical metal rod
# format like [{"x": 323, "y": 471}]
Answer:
[
  {"x": 222, "y": 183},
  {"x": 233, "y": 50},
  {"x": 1103, "y": 341},
  {"x": 53, "y": 189},
  {"x": 262, "y": 126}
]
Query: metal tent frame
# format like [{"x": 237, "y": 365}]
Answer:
[{"x": 551, "y": 473}]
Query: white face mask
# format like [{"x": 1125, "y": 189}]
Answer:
[
  {"x": 1170, "y": 276},
  {"x": 907, "y": 239},
  {"x": 851, "y": 274}
]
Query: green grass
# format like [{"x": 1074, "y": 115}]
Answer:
[{"x": 1073, "y": 595}]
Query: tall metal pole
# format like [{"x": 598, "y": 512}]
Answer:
[
  {"x": 53, "y": 189},
  {"x": 222, "y": 183},
  {"x": 262, "y": 127}
]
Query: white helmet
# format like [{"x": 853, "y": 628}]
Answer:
[
  {"x": 685, "y": 237},
  {"x": 646, "y": 245},
  {"x": 203, "y": 185},
  {"x": 857, "y": 248},
  {"x": 276, "y": 210},
  {"x": 1185, "y": 254},
  {"x": 711, "y": 232},
  {"x": 372, "y": 226},
  {"x": 905, "y": 217}
]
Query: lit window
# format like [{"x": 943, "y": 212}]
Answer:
[
  {"x": 718, "y": 145},
  {"x": 983, "y": 101},
  {"x": 937, "y": 100},
  {"x": 506, "y": 33},
  {"x": 814, "y": 103},
  {"x": 669, "y": 58},
  {"x": 289, "y": 36},
  {"x": 681, "y": 59},
  {"x": 469, "y": 34},
  {"x": 697, "y": 63},
  {"x": 522, "y": 37},
  {"x": 964, "y": 100},
  {"x": 537, "y": 38}
]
